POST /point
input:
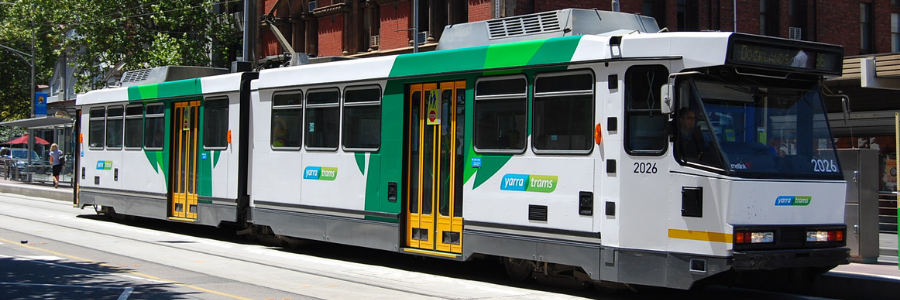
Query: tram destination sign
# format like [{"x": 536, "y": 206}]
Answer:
[{"x": 786, "y": 54}]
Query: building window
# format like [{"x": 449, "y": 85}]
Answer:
[
  {"x": 362, "y": 118},
  {"x": 686, "y": 16},
  {"x": 215, "y": 124},
  {"x": 114, "y": 116},
  {"x": 568, "y": 97},
  {"x": 655, "y": 9},
  {"x": 768, "y": 17},
  {"x": 97, "y": 128},
  {"x": 865, "y": 28},
  {"x": 501, "y": 117},
  {"x": 322, "y": 119},
  {"x": 645, "y": 125},
  {"x": 762, "y": 17},
  {"x": 155, "y": 126},
  {"x": 895, "y": 32},
  {"x": 134, "y": 126},
  {"x": 287, "y": 120}
]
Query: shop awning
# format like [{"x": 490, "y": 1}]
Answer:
[{"x": 39, "y": 122}]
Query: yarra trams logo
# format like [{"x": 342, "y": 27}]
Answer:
[{"x": 529, "y": 183}]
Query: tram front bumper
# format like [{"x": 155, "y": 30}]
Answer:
[{"x": 794, "y": 258}]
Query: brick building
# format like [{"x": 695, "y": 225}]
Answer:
[
  {"x": 378, "y": 27},
  {"x": 360, "y": 28}
]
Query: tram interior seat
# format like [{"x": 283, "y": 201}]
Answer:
[{"x": 754, "y": 156}]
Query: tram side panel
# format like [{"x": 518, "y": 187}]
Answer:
[
  {"x": 118, "y": 177},
  {"x": 275, "y": 173},
  {"x": 635, "y": 251},
  {"x": 218, "y": 161},
  {"x": 540, "y": 204},
  {"x": 306, "y": 182}
]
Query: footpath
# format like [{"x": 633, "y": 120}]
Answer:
[{"x": 879, "y": 280}]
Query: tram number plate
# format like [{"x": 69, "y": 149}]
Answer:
[{"x": 645, "y": 168}]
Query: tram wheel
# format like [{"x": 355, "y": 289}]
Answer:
[{"x": 518, "y": 269}]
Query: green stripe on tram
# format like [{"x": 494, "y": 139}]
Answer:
[
  {"x": 187, "y": 87},
  {"x": 511, "y": 55}
]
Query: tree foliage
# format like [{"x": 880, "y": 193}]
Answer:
[{"x": 133, "y": 34}]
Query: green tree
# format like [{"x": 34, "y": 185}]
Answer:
[
  {"x": 15, "y": 69},
  {"x": 135, "y": 34}
]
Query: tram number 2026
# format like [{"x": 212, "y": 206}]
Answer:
[
  {"x": 645, "y": 168},
  {"x": 824, "y": 165}
]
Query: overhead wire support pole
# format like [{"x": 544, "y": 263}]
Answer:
[{"x": 415, "y": 26}]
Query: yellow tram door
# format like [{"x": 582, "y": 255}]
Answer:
[
  {"x": 184, "y": 163},
  {"x": 435, "y": 166}
]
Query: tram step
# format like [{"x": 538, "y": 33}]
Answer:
[{"x": 455, "y": 256}]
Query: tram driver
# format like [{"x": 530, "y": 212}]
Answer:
[{"x": 691, "y": 144}]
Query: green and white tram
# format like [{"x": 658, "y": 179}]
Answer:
[{"x": 609, "y": 153}]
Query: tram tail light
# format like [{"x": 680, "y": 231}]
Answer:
[
  {"x": 749, "y": 237},
  {"x": 825, "y": 236}
]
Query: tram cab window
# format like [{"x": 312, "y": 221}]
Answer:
[
  {"x": 501, "y": 117},
  {"x": 645, "y": 131},
  {"x": 323, "y": 119},
  {"x": 154, "y": 126},
  {"x": 215, "y": 124},
  {"x": 114, "y": 123},
  {"x": 97, "y": 128},
  {"x": 563, "y": 112},
  {"x": 362, "y": 118},
  {"x": 287, "y": 120},
  {"x": 134, "y": 126}
]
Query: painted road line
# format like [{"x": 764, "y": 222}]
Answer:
[
  {"x": 41, "y": 257},
  {"x": 131, "y": 272},
  {"x": 123, "y": 296}
]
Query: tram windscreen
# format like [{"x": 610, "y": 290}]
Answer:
[{"x": 757, "y": 130}]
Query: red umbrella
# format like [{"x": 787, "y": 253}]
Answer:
[{"x": 24, "y": 140}]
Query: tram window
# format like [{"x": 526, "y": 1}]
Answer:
[
  {"x": 114, "y": 120},
  {"x": 97, "y": 129},
  {"x": 154, "y": 126},
  {"x": 501, "y": 117},
  {"x": 215, "y": 124},
  {"x": 287, "y": 120},
  {"x": 322, "y": 119},
  {"x": 563, "y": 113},
  {"x": 362, "y": 119},
  {"x": 134, "y": 126},
  {"x": 645, "y": 125}
]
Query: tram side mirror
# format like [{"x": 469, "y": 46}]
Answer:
[{"x": 667, "y": 104}]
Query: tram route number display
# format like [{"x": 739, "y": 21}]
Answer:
[{"x": 645, "y": 168}]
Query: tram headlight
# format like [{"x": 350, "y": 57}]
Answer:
[
  {"x": 825, "y": 236},
  {"x": 762, "y": 237},
  {"x": 747, "y": 237}
]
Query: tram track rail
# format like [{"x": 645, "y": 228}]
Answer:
[{"x": 174, "y": 245}]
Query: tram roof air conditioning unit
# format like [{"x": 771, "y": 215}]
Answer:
[
  {"x": 795, "y": 33},
  {"x": 544, "y": 25},
  {"x": 167, "y": 73}
]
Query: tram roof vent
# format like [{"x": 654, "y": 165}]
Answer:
[
  {"x": 558, "y": 23},
  {"x": 167, "y": 73}
]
